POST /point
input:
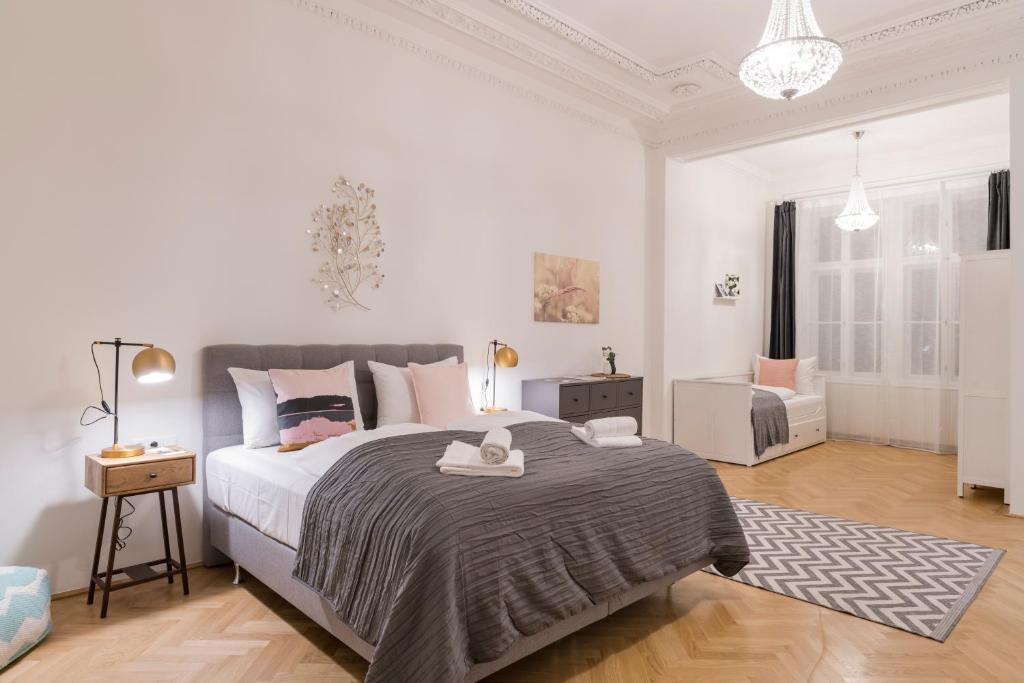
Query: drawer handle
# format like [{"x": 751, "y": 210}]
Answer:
[
  {"x": 152, "y": 475},
  {"x": 604, "y": 395},
  {"x": 575, "y": 400}
]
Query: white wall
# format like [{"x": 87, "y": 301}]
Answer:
[
  {"x": 159, "y": 165},
  {"x": 1017, "y": 294},
  {"x": 714, "y": 224}
]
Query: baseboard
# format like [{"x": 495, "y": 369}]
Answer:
[{"x": 75, "y": 592}]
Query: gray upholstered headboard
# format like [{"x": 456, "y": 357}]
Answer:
[{"x": 222, "y": 414}]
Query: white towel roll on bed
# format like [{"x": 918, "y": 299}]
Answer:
[
  {"x": 496, "y": 446},
  {"x": 610, "y": 426},
  {"x": 464, "y": 460},
  {"x": 607, "y": 441}
]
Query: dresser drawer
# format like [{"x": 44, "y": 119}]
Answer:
[
  {"x": 631, "y": 392},
  {"x": 145, "y": 476},
  {"x": 573, "y": 400},
  {"x": 604, "y": 396}
]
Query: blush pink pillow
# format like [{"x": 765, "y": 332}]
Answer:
[
  {"x": 778, "y": 373},
  {"x": 313, "y": 405},
  {"x": 442, "y": 393}
]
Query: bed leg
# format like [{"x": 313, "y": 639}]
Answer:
[{"x": 238, "y": 574}]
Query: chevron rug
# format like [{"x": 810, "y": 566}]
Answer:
[{"x": 918, "y": 583}]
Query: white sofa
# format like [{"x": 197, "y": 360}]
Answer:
[{"x": 711, "y": 417}]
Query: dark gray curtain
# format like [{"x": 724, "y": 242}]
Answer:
[
  {"x": 999, "y": 210},
  {"x": 782, "y": 343}
]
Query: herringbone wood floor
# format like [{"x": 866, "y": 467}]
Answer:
[{"x": 704, "y": 629}]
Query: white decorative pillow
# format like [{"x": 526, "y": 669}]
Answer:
[
  {"x": 782, "y": 392},
  {"x": 259, "y": 407},
  {"x": 805, "y": 373},
  {"x": 396, "y": 398},
  {"x": 806, "y": 369}
]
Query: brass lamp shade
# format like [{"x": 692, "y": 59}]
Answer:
[
  {"x": 506, "y": 357},
  {"x": 153, "y": 365}
]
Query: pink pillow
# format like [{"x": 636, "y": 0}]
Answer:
[
  {"x": 442, "y": 393},
  {"x": 778, "y": 373},
  {"x": 313, "y": 405}
]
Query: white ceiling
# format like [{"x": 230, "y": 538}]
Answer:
[
  {"x": 667, "y": 69},
  {"x": 977, "y": 123},
  {"x": 663, "y": 33}
]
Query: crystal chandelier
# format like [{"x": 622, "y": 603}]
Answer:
[
  {"x": 858, "y": 214},
  {"x": 793, "y": 57}
]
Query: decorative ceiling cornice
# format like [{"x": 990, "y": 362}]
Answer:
[
  {"x": 533, "y": 54},
  {"x": 360, "y": 26},
  {"x": 929, "y": 21},
  {"x": 587, "y": 42},
  {"x": 823, "y": 104},
  {"x": 714, "y": 68}
]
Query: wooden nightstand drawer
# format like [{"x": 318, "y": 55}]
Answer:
[
  {"x": 152, "y": 475},
  {"x": 128, "y": 476}
]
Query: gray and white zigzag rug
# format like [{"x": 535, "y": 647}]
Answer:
[{"x": 918, "y": 583}]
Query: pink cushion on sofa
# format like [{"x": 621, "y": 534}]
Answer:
[
  {"x": 778, "y": 373},
  {"x": 442, "y": 393}
]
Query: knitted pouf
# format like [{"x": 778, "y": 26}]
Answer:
[{"x": 24, "y": 610}]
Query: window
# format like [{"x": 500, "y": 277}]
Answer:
[{"x": 884, "y": 303}]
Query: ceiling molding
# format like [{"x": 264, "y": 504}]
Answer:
[
  {"x": 605, "y": 50},
  {"x": 520, "y": 47},
  {"x": 994, "y": 62},
  {"x": 366, "y": 28},
  {"x": 929, "y": 21}
]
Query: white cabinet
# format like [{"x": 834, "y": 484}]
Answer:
[{"x": 983, "y": 449}]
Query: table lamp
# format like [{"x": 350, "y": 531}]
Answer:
[
  {"x": 150, "y": 366},
  {"x": 501, "y": 356}
]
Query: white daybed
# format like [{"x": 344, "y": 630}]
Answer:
[{"x": 711, "y": 417}]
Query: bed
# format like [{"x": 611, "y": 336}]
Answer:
[
  {"x": 711, "y": 417},
  {"x": 256, "y": 515}
]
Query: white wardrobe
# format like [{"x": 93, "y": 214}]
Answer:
[{"x": 984, "y": 430}]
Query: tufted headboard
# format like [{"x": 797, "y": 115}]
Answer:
[{"x": 222, "y": 414}]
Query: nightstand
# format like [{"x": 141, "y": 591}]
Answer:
[{"x": 121, "y": 478}]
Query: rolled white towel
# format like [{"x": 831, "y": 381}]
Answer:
[
  {"x": 607, "y": 441},
  {"x": 464, "y": 460},
  {"x": 610, "y": 426},
  {"x": 496, "y": 446}
]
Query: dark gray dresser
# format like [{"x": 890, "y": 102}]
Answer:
[{"x": 578, "y": 400}]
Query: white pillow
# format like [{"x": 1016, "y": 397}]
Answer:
[
  {"x": 806, "y": 369},
  {"x": 396, "y": 398},
  {"x": 259, "y": 407},
  {"x": 785, "y": 393}
]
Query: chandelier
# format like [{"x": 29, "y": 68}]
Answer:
[
  {"x": 858, "y": 214},
  {"x": 793, "y": 57}
]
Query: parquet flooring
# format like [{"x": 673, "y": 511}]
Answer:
[{"x": 703, "y": 629}]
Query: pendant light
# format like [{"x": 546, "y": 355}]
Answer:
[
  {"x": 858, "y": 214},
  {"x": 794, "y": 57}
]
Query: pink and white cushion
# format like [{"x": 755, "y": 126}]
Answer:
[
  {"x": 442, "y": 393},
  {"x": 313, "y": 405}
]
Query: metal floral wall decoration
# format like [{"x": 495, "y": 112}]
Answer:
[{"x": 348, "y": 234}]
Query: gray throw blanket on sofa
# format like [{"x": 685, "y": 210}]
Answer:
[
  {"x": 770, "y": 421},
  {"x": 440, "y": 572}
]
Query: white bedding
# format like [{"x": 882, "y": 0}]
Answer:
[
  {"x": 803, "y": 407},
  {"x": 268, "y": 489}
]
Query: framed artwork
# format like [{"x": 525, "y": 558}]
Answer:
[{"x": 566, "y": 289}]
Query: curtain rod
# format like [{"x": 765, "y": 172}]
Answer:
[{"x": 905, "y": 180}]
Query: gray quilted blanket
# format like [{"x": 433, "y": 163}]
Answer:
[{"x": 439, "y": 572}]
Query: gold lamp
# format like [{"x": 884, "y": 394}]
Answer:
[
  {"x": 502, "y": 356},
  {"x": 150, "y": 366}
]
